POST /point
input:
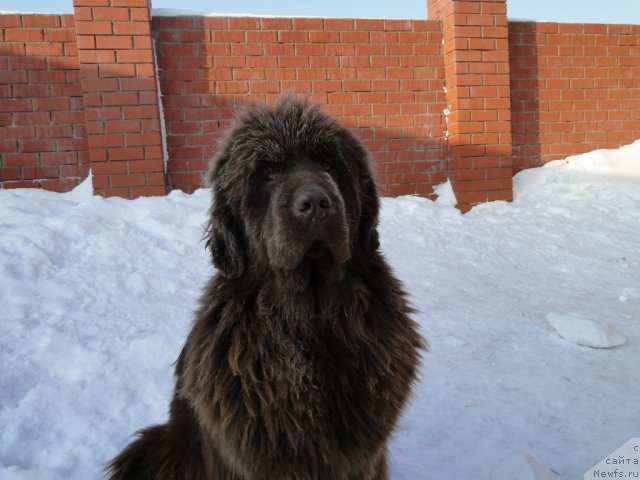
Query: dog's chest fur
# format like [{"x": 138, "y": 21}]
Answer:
[{"x": 297, "y": 383}]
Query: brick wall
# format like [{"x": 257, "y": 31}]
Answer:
[
  {"x": 80, "y": 93},
  {"x": 384, "y": 78},
  {"x": 42, "y": 131},
  {"x": 574, "y": 88}
]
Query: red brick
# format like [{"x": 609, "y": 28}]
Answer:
[
  {"x": 86, "y": 42},
  {"x": 66, "y": 144},
  {"x": 41, "y": 20},
  {"x": 100, "y": 85},
  {"x": 186, "y": 181},
  {"x": 83, "y": 13},
  {"x": 24, "y": 35},
  {"x": 10, "y": 20},
  {"x": 158, "y": 178},
  {"x": 147, "y": 191},
  {"x": 15, "y": 105},
  {"x": 136, "y": 139},
  {"x": 145, "y": 69},
  {"x": 94, "y": 28},
  {"x": 119, "y": 98},
  {"x": 110, "y": 13},
  {"x": 151, "y": 152},
  {"x": 20, "y": 184},
  {"x": 91, "y": 3},
  {"x": 10, "y": 146},
  {"x": 44, "y": 49},
  {"x": 92, "y": 99},
  {"x": 10, "y": 174},
  {"x": 140, "y": 14},
  {"x": 130, "y": 3},
  {"x": 125, "y": 153},
  {"x": 244, "y": 23},
  {"x": 98, "y": 56},
  {"x": 146, "y": 166},
  {"x": 148, "y": 98},
  {"x": 114, "y": 42},
  {"x": 132, "y": 28},
  {"x": 97, "y": 155},
  {"x": 116, "y": 70},
  {"x": 66, "y": 160},
  {"x": 232, "y": 36},
  {"x": 135, "y": 56},
  {"x": 128, "y": 180},
  {"x": 50, "y": 131},
  {"x": 109, "y": 168},
  {"x": 59, "y": 185},
  {"x": 105, "y": 141},
  {"x": 276, "y": 23},
  {"x": 142, "y": 42},
  {"x": 308, "y": 23}
]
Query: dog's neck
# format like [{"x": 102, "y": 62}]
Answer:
[
  {"x": 312, "y": 298},
  {"x": 311, "y": 276}
]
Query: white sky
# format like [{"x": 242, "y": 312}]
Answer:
[{"x": 583, "y": 11}]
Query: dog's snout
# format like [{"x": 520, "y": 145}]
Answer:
[{"x": 312, "y": 202}]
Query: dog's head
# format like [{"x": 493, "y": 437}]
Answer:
[{"x": 290, "y": 184}]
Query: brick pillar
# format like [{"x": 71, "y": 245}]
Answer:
[
  {"x": 476, "y": 59},
  {"x": 119, "y": 85}
]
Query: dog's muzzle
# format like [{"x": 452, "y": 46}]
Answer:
[{"x": 308, "y": 221}]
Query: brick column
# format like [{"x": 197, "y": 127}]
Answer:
[
  {"x": 119, "y": 85},
  {"x": 476, "y": 59}
]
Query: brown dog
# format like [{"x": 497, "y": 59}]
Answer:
[{"x": 303, "y": 354}]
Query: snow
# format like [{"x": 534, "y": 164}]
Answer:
[
  {"x": 445, "y": 194},
  {"x": 18, "y": 12},
  {"x": 176, "y": 12},
  {"x": 163, "y": 122},
  {"x": 521, "y": 466},
  {"x": 575, "y": 327},
  {"x": 98, "y": 295}
]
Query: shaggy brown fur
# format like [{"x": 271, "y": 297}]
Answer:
[{"x": 303, "y": 354}]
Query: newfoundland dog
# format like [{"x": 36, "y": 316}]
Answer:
[{"x": 303, "y": 353}]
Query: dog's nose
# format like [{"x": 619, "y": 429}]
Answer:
[{"x": 312, "y": 202}]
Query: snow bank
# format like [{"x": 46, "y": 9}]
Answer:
[
  {"x": 596, "y": 172},
  {"x": 620, "y": 163},
  {"x": 97, "y": 297}
]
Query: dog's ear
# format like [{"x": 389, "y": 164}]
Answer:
[
  {"x": 356, "y": 154},
  {"x": 225, "y": 239},
  {"x": 368, "y": 229}
]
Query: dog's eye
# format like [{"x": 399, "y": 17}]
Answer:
[
  {"x": 269, "y": 172},
  {"x": 329, "y": 166}
]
